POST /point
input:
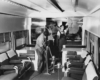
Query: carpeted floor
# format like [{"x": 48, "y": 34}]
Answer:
[
  {"x": 53, "y": 76},
  {"x": 42, "y": 76}
]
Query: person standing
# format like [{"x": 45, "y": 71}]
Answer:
[
  {"x": 62, "y": 38},
  {"x": 40, "y": 48}
]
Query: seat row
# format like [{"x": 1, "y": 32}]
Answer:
[
  {"x": 80, "y": 69},
  {"x": 12, "y": 65}
]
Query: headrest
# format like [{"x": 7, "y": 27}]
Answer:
[
  {"x": 4, "y": 47},
  {"x": 31, "y": 51},
  {"x": 3, "y": 57},
  {"x": 11, "y": 53},
  {"x": 84, "y": 53}
]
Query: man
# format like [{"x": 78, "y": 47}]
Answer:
[
  {"x": 53, "y": 42},
  {"x": 41, "y": 47},
  {"x": 61, "y": 38}
]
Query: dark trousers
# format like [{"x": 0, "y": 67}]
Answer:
[
  {"x": 41, "y": 58},
  {"x": 62, "y": 41}
]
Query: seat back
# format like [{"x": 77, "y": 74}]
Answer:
[
  {"x": 71, "y": 53},
  {"x": 90, "y": 72},
  {"x": 88, "y": 58},
  {"x": 31, "y": 52},
  {"x": 12, "y": 54},
  {"x": 85, "y": 57},
  {"x": 4, "y": 59}
]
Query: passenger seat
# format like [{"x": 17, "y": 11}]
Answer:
[
  {"x": 7, "y": 71},
  {"x": 89, "y": 74},
  {"x": 23, "y": 63}
]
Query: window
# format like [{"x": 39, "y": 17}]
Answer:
[
  {"x": 7, "y": 36},
  {"x": 1, "y": 37},
  {"x": 99, "y": 54}
]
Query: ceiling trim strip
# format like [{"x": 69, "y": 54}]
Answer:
[
  {"x": 36, "y": 4},
  {"x": 55, "y": 4},
  {"x": 3, "y": 13},
  {"x": 23, "y": 5}
]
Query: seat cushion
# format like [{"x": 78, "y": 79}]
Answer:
[
  {"x": 76, "y": 72},
  {"x": 10, "y": 76},
  {"x": 8, "y": 72},
  {"x": 76, "y": 76},
  {"x": 67, "y": 78},
  {"x": 76, "y": 64},
  {"x": 15, "y": 61}
]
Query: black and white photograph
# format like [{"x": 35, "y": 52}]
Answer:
[{"x": 49, "y": 39}]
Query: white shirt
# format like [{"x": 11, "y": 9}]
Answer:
[
  {"x": 58, "y": 34},
  {"x": 40, "y": 42}
]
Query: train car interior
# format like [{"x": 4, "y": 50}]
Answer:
[{"x": 49, "y": 39}]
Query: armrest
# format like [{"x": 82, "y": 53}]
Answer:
[{"x": 9, "y": 72}]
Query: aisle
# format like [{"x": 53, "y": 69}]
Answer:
[{"x": 53, "y": 76}]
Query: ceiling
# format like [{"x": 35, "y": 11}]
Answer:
[{"x": 46, "y": 8}]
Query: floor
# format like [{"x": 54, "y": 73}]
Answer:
[{"x": 31, "y": 75}]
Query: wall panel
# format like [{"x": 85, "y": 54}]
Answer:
[
  {"x": 11, "y": 23},
  {"x": 92, "y": 23}
]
